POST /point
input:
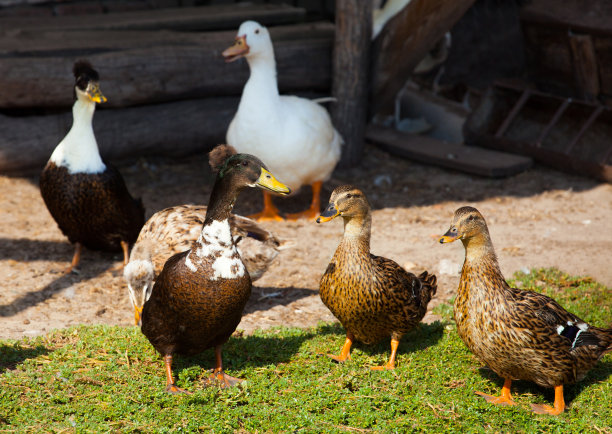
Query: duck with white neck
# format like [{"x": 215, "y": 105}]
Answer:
[
  {"x": 295, "y": 136},
  {"x": 87, "y": 197}
]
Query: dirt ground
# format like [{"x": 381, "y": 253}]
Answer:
[{"x": 540, "y": 218}]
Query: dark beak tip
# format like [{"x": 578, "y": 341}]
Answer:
[{"x": 318, "y": 219}]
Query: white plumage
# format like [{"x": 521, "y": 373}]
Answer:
[{"x": 294, "y": 136}]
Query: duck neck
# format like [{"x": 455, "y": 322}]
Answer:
[
  {"x": 357, "y": 234},
  {"x": 221, "y": 202},
  {"x": 262, "y": 81},
  {"x": 479, "y": 251},
  {"x": 78, "y": 151}
]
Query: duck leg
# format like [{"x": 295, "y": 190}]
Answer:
[
  {"x": 170, "y": 386},
  {"x": 125, "y": 247},
  {"x": 315, "y": 206},
  {"x": 76, "y": 258},
  {"x": 346, "y": 349},
  {"x": 218, "y": 377},
  {"x": 391, "y": 363},
  {"x": 269, "y": 212},
  {"x": 504, "y": 398},
  {"x": 559, "y": 404}
]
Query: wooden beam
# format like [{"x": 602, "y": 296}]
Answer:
[
  {"x": 136, "y": 70},
  {"x": 174, "y": 129},
  {"x": 350, "y": 75},
  {"x": 404, "y": 41},
  {"x": 214, "y": 17}
]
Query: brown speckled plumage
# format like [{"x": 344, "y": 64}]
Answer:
[
  {"x": 198, "y": 298},
  {"x": 373, "y": 297},
  {"x": 519, "y": 334},
  {"x": 95, "y": 210}
]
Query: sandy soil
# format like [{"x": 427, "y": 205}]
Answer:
[{"x": 540, "y": 218}]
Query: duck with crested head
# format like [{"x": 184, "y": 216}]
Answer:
[
  {"x": 373, "y": 297},
  {"x": 520, "y": 335},
  {"x": 173, "y": 230},
  {"x": 87, "y": 196},
  {"x": 198, "y": 298},
  {"x": 295, "y": 136}
]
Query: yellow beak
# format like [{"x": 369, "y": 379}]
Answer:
[
  {"x": 269, "y": 182},
  {"x": 93, "y": 90}
]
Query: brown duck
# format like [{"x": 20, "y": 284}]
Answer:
[
  {"x": 521, "y": 335},
  {"x": 373, "y": 297},
  {"x": 173, "y": 230},
  {"x": 86, "y": 196},
  {"x": 198, "y": 298}
]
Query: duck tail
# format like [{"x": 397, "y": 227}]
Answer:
[{"x": 429, "y": 286}]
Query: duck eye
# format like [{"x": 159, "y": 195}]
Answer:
[
  {"x": 257, "y": 31},
  {"x": 245, "y": 163},
  {"x": 349, "y": 195}
]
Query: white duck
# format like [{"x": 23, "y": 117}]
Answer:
[{"x": 294, "y": 136}]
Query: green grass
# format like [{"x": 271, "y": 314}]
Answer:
[{"x": 100, "y": 379}]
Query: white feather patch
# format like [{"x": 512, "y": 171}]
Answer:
[
  {"x": 560, "y": 329},
  {"x": 215, "y": 243}
]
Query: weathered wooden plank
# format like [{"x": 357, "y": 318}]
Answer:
[
  {"x": 454, "y": 156},
  {"x": 405, "y": 40},
  {"x": 213, "y": 17},
  {"x": 577, "y": 15},
  {"x": 350, "y": 75},
  {"x": 160, "y": 73},
  {"x": 29, "y": 43},
  {"x": 173, "y": 129},
  {"x": 585, "y": 65}
]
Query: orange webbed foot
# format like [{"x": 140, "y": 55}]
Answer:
[
  {"x": 558, "y": 408},
  {"x": 174, "y": 390},
  {"x": 222, "y": 380},
  {"x": 340, "y": 358},
  {"x": 386, "y": 367},
  {"x": 504, "y": 399},
  {"x": 499, "y": 400},
  {"x": 269, "y": 213}
]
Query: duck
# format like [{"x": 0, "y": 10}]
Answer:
[
  {"x": 173, "y": 230},
  {"x": 86, "y": 196},
  {"x": 295, "y": 136},
  {"x": 197, "y": 300},
  {"x": 373, "y": 297},
  {"x": 519, "y": 334}
]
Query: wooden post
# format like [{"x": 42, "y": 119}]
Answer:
[{"x": 350, "y": 75}]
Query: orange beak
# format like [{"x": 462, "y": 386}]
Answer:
[
  {"x": 137, "y": 314},
  {"x": 236, "y": 51}
]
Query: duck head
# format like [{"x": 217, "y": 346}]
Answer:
[
  {"x": 245, "y": 170},
  {"x": 87, "y": 86},
  {"x": 252, "y": 40},
  {"x": 139, "y": 275},
  {"x": 346, "y": 201},
  {"x": 466, "y": 224}
]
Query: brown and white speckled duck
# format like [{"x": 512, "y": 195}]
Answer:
[
  {"x": 174, "y": 230},
  {"x": 521, "y": 335},
  {"x": 373, "y": 297},
  {"x": 86, "y": 196},
  {"x": 198, "y": 298}
]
